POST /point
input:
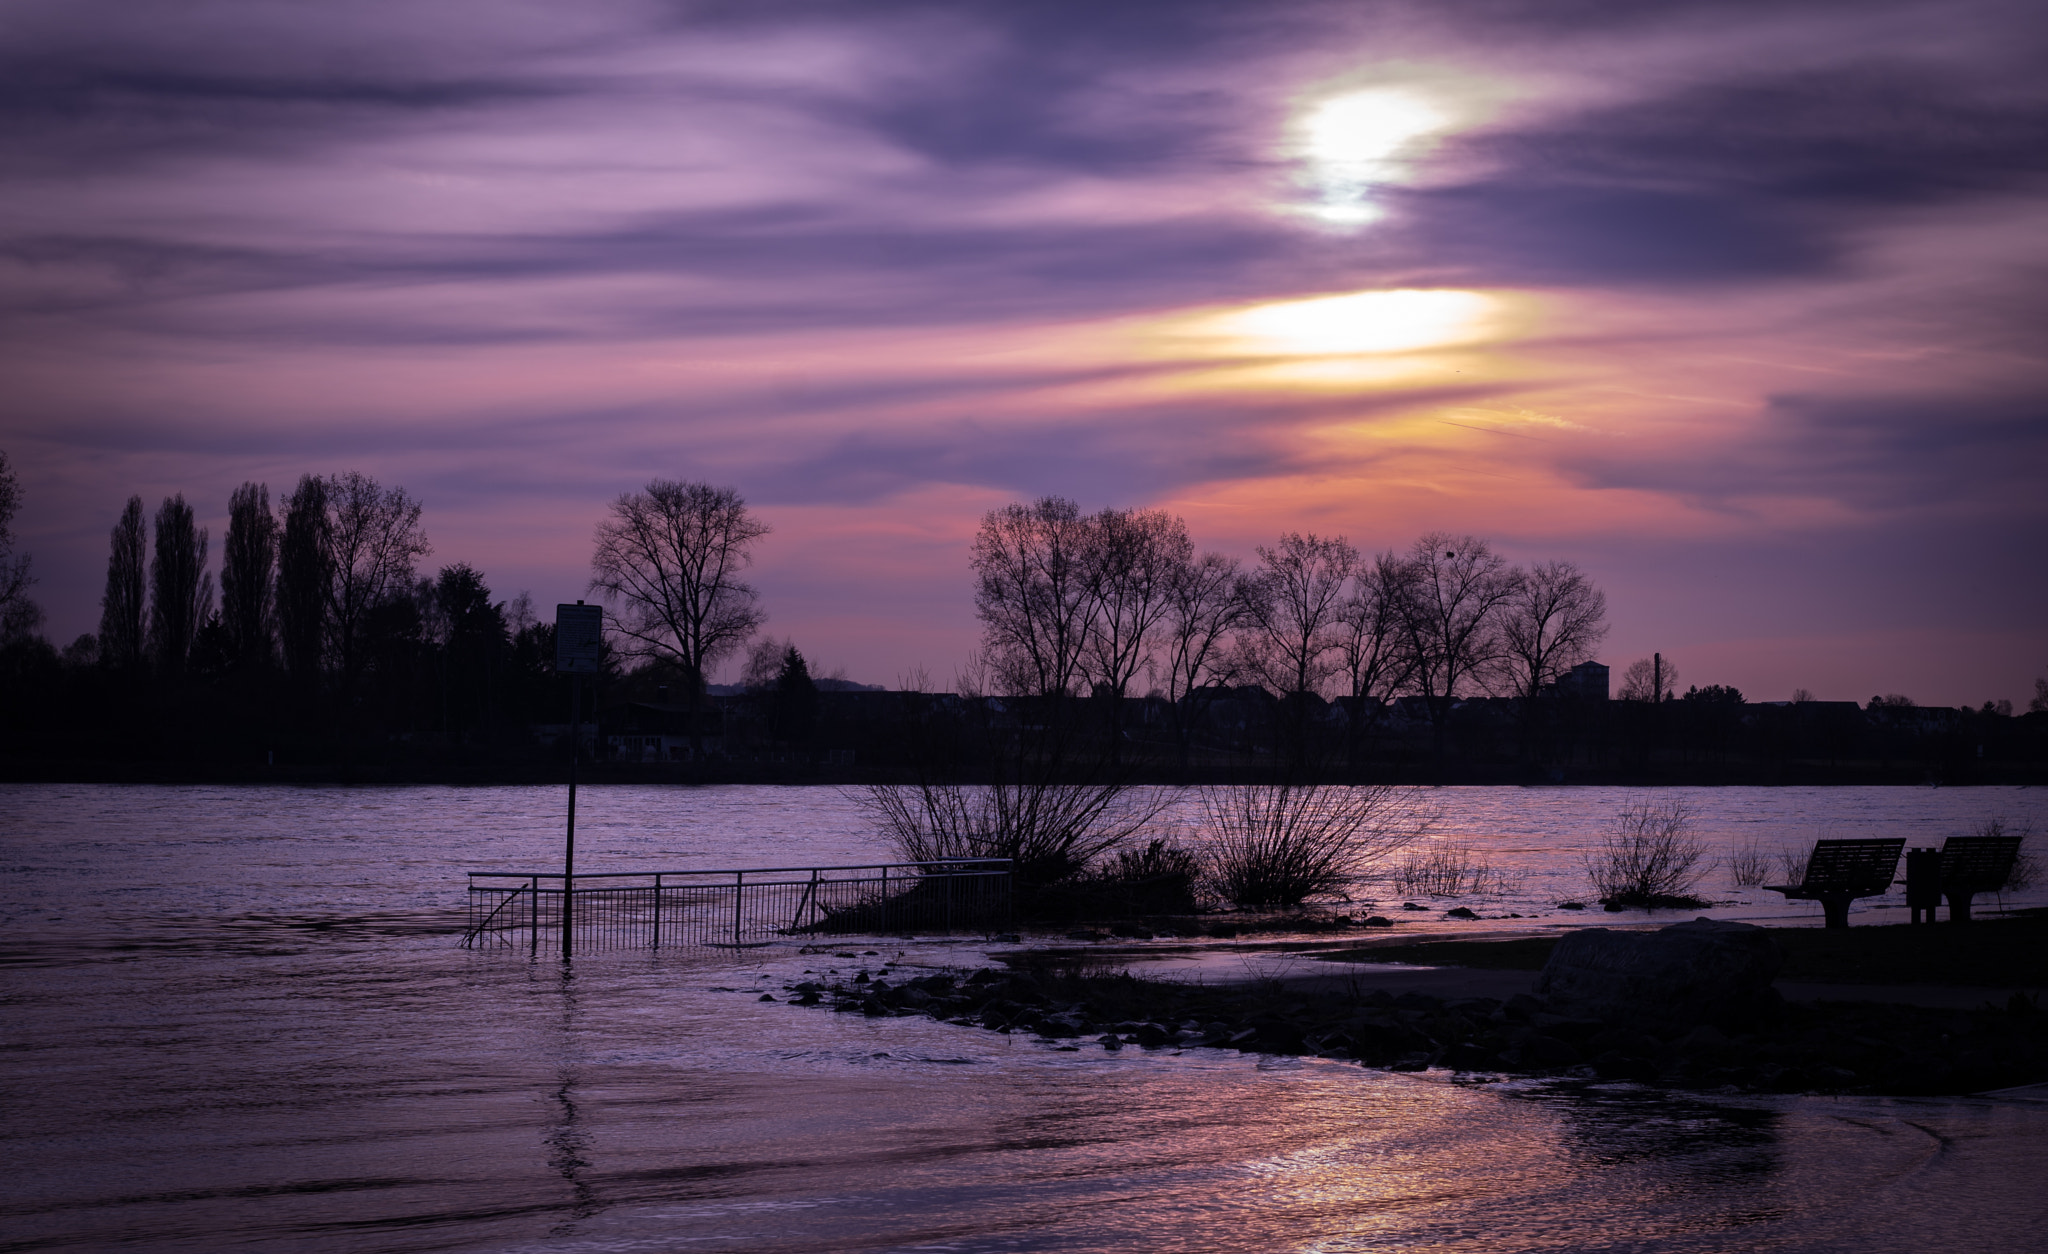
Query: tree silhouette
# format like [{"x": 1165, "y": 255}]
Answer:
[
  {"x": 19, "y": 616},
  {"x": 248, "y": 564},
  {"x": 1033, "y": 595},
  {"x": 181, "y": 590},
  {"x": 1134, "y": 560},
  {"x": 1457, "y": 592},
  {"x": 373, "y": 540},
  {"x": 305, "y": 564},
  {"x": 1293, "y": 607},
  {"x": 668, "y": 561},
  {"x": 121, "y": 608}
]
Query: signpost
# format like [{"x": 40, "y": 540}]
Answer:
[{"x": 579, "y": 651}]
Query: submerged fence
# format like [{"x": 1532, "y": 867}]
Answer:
[{"x": 650, "y": 909}]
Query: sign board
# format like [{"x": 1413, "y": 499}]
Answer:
[{"x": 579, "y": 639}]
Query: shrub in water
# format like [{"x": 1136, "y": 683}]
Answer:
[
  {"x": 1279, "y": 844},
  {"x": 1749, "y": 866},
  {"x": 1652, "y": 857}
]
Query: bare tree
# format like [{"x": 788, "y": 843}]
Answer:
[
  {"x": 121, "y": 608},
  {"x": 1134, "y": 559},
  {"x": 373, "y": 541},
  {"x": 668, "y": 561},
  {"x": 181, "y": 590},
  {"x": 1294, "y": 616},
  {"x": 1650, "y": 679},
  {"x": 1371, "y": 643},
  {"x": 1551, "y": 622},
  {"x": 305, "y": 569},
  {"x": 247, "y": 576},
  {"x": 1457, "y": 592},
  {"x": 19, "y": 616},
  {"x": 1034, "y": 596},
  {"x": 1205, "y": 605}
]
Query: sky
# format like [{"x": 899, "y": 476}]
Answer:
[{"x": 1739, "y": 306}]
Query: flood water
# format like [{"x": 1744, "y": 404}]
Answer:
[{"x": 238, "y": 1018}]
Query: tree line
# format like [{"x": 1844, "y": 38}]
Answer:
[
  {"x": 1076, "y": 604},
  {"x": 322, "y": 631}
]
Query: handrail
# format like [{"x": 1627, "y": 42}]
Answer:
[
  {"x": 654, "y": 908},
  {"x": 992, "y": 863}
]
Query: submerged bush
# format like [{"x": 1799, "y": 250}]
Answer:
[
  {"x": 1651, "y": 857},
  {"x": 1158, "y": 879},
  {"x": 1278, "y": 844},
  {"x": 1050, "y": 831},
  {"x": 1750, "y": 866},
  {"x": 1449, "y": 869}
]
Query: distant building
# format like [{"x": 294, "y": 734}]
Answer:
[{"x": 1585, "y": 682}]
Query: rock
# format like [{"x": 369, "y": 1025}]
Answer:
[
  {"x": 1460, "y": 912},
  {"x": 1665, "y": 981},
  {"x": 767, "y": 997},
  {"x": 1409, "y": 905},
  {"x": 1571, "y": 905},
  {"x": 1548, "y": 1051},
  {"x": 1379, "y": 920}
]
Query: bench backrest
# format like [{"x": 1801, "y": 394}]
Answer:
[
  {"x": 1981, "y": 863},
  {"x": 1862, "y": 867}
]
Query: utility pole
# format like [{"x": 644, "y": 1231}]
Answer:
[{"x": 579, "y": 651}]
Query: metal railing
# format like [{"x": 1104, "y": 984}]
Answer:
[{"x": 738, "y": 908}]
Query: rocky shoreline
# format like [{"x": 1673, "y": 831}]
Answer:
[{"x": 1825, "y": 1047}]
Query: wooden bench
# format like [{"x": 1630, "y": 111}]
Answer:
[
  {"x": 1969, "y": 865},
  {"x": 1840, "y": 871}
]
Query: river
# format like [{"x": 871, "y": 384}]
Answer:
[{"x": 238, "y": 1018}]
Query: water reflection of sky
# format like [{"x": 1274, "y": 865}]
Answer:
[{"x": 368, "y": 1086}]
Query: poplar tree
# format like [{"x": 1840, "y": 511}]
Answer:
[
  {"x": 248, "y": 563},
  {"x": 121, "y": 607},
  {"x": 304, "y": 569},
  {"x": 181, "y": 590}
]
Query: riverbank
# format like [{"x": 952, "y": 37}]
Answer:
[{"x": 1364, "y": 1009}]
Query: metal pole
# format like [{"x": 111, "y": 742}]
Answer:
[
  {"x": 569, "y": 845},
  {"x": 657, "y": 911},
  {"x": 533, "y": 915},
  {"x": 739, "y": 889}
]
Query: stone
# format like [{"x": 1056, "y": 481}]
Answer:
[{"x": 1665, "y": 981}]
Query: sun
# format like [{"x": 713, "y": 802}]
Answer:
[{"x": 1353, "y": 142}]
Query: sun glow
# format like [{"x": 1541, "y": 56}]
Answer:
[{"x": 1399, "y": 321}]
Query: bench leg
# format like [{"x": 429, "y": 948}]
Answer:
[
  {"x": 1959, "y": 907},
  {"x": 1835, "y": 910}
]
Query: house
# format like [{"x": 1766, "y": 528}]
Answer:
[{"x": 657, "y": 731}]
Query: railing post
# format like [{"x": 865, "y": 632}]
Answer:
[
  {"x": 739, "y": 891},
  {"x": 533, "y": 915},
  {"x": 885, "y": 900},
  {"x": 657, "y": 911}
]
